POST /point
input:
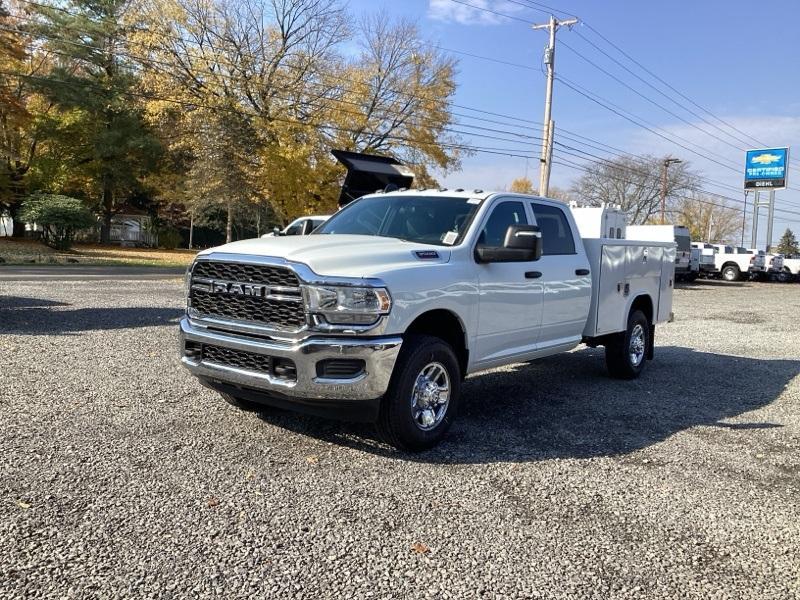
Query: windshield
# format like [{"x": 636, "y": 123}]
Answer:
[{"x": 425, "y": 219}]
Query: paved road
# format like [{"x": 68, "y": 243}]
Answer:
[
  {"x": 121, "y": 477},
  {"x": 86, "y": 272}
]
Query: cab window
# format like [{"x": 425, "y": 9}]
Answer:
[
  {"x": 556, "y": 233},
  {"x": 503, "y": 215},
  {"x": 295, "y": 228}
]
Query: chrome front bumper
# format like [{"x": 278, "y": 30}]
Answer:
[{"x": 379, "y": 355}]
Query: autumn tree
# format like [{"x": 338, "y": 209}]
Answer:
[
  {"x": 635, "y": 184},
  {"x": 522, "y": 185},
  {"x": 277, "y": 71},
  {"x": 108, "y": 145},
  {"x": 788, "y": 244},
  {"x": 18, "y": 105},
  {"x": 394, "y": 97},
  {"x": 708, "y": 219}
]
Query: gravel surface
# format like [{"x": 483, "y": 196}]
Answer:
[{"x": 121, "y": 477}]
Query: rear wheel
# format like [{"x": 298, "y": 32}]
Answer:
[
  {"x": 627, "y": 352},
  {"x": 731, "y": 273},
  {"x": 423, "y": 395}
]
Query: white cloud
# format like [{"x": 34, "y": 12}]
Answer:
[{"x": 448, "y": 11}]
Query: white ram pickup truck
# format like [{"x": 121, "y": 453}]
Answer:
[
  {"x": 734, "y": 263},
  {"x": 382, "y": 311},
  {"x": 791, "y": 267}
]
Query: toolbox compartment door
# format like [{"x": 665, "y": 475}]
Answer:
[
  {"x": 611, "y": 283},
  {"x": 667, "y": 283}
]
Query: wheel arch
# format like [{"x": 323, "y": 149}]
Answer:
[
  {"x": 447, "y": 326},
  {"x": 644, "y": 303}
]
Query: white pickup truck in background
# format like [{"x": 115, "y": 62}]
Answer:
[
  {"x": 791, "y": 267},
  {"x": 382, "y": 311},
  {"x": 706, "y": 262},
  {"x": 735, "y": 264},
  {"x": 300, "y": 226},
  {"x": 669, "y": 233}
]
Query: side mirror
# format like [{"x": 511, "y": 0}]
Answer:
[
  {"x": 276, "y": 231},
  {"x": 523, "y": 243}
]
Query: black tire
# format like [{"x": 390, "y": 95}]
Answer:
[
  {"x": 396, "y": 420},
  {"x": 731, "y": 273},
  {"x": 243, "y": 404},
  {"x": 619, "y": 360}
]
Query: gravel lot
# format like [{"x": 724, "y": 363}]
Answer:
[{"x": 121, "y": 477}]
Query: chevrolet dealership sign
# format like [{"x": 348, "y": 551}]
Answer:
[{"x": 766, "y": 169}]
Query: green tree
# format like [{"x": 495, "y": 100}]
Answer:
[
  {"x": 59, "y": 216},
  {"x": 788, "y": 243},
  {"x": 108, "y": 146}
]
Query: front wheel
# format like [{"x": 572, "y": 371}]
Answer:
[
  {"x": 626, "y": 353},
  {"x": 423, "y": 395}
]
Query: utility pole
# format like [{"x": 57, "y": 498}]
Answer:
[
  {"x": 547, "y": 128},
  {"x": 664, "y": 166}
]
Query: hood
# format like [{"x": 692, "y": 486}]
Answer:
[{"x": 341, "y": 255}]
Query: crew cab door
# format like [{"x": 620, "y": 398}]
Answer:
[
  {"x": 510, "y": 293},
  {"x": 565, "y": 277}
]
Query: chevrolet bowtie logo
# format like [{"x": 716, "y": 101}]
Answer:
[{"x": 238, "y": 289}]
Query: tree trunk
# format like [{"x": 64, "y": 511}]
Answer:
[
  {"x": 229, "y": 225},
  {"x": 18, "y": 227},
  {"x": 108, "y": 211}
]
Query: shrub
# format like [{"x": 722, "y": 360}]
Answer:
[
  {"x": 169, "y": 238},
  {"x": 59, "y": 216}
]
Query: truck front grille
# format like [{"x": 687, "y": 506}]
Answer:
[
  {"x": 243, "y": 273},
  {"x": 277, "y": 303}
]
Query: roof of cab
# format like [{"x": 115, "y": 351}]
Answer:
[{"x": 455, "y": 193}]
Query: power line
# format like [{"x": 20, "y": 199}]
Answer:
[
  {"x": 650, "y": 100},
  {"x": 665, "y": 83},
  {"x": 291, "y": 67},
  {"x": 386, "y": 114},
  {"x": 641, "y": 123},
  {"x": 469, "y": 108},
  {"x": 408, "y": 142},
  {"x": 698, "y": 190},
  {"x": 494, "y": 12},
  {"x": 571, "y": 164}
]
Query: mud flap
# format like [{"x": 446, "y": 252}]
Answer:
[{"x": 650, "y": 351}]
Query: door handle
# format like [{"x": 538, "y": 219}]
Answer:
[
  {"x": 533, "y": 274},
  {"x": 581, "y": 271}
]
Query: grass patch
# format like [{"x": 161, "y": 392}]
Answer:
[{"x": 22, "y": 252}]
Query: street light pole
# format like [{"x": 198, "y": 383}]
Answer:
[{"x": 664, "y": 166}]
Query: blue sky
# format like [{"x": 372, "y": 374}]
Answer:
[{"x": 737, "y": 59}]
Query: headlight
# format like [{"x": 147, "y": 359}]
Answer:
[{"x": 345, "y": 305}]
